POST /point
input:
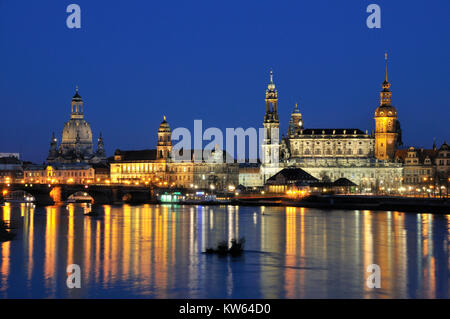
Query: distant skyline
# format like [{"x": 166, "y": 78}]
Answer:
[{"x": 136, "y": 62}]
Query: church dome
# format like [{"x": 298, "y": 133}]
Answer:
[
  {"x": 76, "y": 97},
  {"x": 386, "y": 111},
  {"x": 164, "y": 127},
  {"x": 77, "y": 133},
  {"x": 77, "y": 129}
]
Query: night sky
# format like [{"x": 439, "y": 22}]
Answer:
[{"x": 135, "y": 61}]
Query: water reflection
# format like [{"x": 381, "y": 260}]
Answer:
[{"x": 155, "y": 251}]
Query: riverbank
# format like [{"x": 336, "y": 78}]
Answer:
[{"x": 355, "y": 202}]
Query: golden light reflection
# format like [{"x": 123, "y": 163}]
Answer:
[
  {"x": 51, "y": 245},
  {"x": 106, "y": 245},
  {"x": 5, "y": 264},
  {"x": 70, "y": 234},
  {"x": 28, "y": 238},
  {"x": 87, "y": 241},
  {"x": 429, "y": 271},
  {"x": 291, "y": 251},
  {"x": 5, "y": 249},
  {"x": 144, "y": 246},
  {"x": 368, "y": 255}
]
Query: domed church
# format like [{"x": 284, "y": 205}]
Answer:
[{"x": 76, "y": 144}]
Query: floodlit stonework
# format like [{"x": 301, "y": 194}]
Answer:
[
  {"x": 76, "y": 143},
  {"x": 332, "y": 153},
  {"x": 164, "y": 167}
]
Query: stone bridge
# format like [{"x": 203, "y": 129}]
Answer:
[{"x": 102, "y": 194}]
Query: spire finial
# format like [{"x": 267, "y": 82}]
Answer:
[
  {"x": 164, "y": 117},
  {"x": 271, "y": 76},
  {"x": 385, "y": 66},
  {"x": 76, "y": 88}
]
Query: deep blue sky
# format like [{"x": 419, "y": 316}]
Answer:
[{"x": 136, "y": 61}]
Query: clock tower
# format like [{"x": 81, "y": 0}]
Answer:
[{"x": 386, "y": 124}]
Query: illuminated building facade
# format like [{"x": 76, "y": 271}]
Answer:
[
  {"x": 418, "y": 165},
  {"x": 162, "y": 168},
  {"x": 76, "y": 143},
  {"x": 57, "y": 173},
  {"x": 10, "y": 168},
  {"x": 138, "y": 166},
  {"x": 332, "y": 153},
  {"x": 250, "y": 175},
  {"x": 443, "y": 161},
  {"x": 425, "y": 167}
]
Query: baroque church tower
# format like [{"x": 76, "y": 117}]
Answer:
[
  {"x": 270, "y": 145},
  {"x": 164, "y": 145},
  {"x": 387, "y": 127}
]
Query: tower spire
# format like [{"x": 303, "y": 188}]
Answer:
[
  {"x": 271, "y": 101},
  {"x": 385, "y": 92},
  {"x": 385, "y": 67}
]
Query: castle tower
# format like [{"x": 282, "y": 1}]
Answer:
[
  {"x": 386, "y": 124},
  {"x": 164, "y": 145},
  {"x": 270, "y": 145}
]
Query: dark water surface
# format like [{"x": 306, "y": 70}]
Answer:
[{"x": 155, "y": 251}]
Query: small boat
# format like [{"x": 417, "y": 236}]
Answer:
[
  {"x": 78, "y": 198},
  {"x": 19, "y": 197}
]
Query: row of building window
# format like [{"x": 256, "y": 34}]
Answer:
[{"x": 330, "y": 152}]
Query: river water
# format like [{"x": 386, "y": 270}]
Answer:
[{"x": 155, "y": 251}]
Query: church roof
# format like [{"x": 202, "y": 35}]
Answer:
[
  {"x": 343, "y": 182},
  {"x": 139, "y": 155},
  {"x": 422, "y": 154},
  {"x": 9, "y": 160},
  {"x": 444, "y": 147},
  {"x": 77, "y": 96},
  {"x": 291, "y": 176},
  {"x": 386, "y": 110}
]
